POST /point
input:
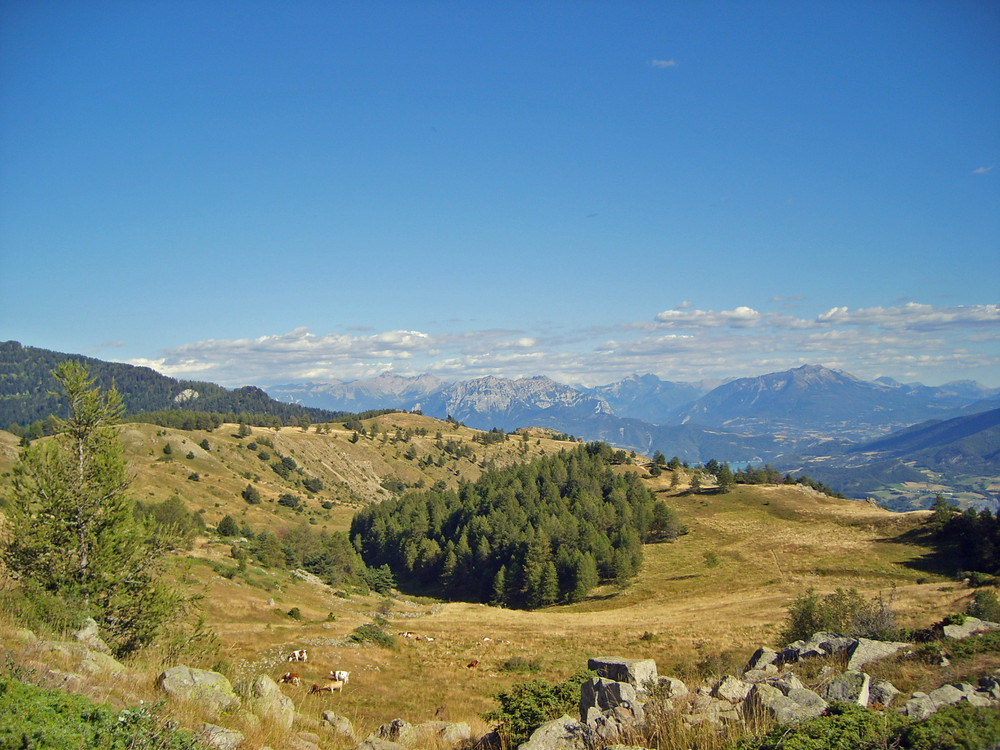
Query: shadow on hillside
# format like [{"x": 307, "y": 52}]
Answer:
[{"x": 936, "y": 559}]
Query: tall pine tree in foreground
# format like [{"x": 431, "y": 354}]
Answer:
[{"x": 73, "y": 540}]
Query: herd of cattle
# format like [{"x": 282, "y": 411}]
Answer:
[{"x": 336, "y": 679}]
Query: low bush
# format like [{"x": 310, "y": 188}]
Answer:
[
  {"x": 372, "y": 633},
  {"x": 844, "y": 611},
  {"x": 35, "y": 717},
  {"x": 985, "y": 605}
]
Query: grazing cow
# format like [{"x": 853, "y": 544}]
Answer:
[
  {"x": 340, "y": 674},
  {"x": 473, "y": 664},
  {"x": 292, "y": 677},
  {"x": 328, "y": 687},
  {"x": 406, "y": 634},
  {"x": 299, "y": 655}
]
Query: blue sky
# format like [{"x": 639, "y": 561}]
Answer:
[{"x": 267, "y": 192}]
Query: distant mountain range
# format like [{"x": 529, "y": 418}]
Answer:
[
  {"x": 828, "y": 423},
  {"x": 859, "y": 436},
  {"x": 806, "y": 403}
]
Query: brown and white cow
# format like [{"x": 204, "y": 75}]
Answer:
[
  {"x": 290, "y": 677},
  {"x": 299, "y": 655},
  {"x": 340, "y": 674}
]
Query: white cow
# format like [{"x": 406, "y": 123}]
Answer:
[{"x": 340, "y": 675}]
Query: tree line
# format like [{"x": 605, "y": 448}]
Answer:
[
  {"x": 30, "y": 397},
  {"x": 523, "y": 536},
  {"x": 969, "y": 540}
]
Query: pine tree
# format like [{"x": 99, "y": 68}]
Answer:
[{"x": 74, "y": 533}]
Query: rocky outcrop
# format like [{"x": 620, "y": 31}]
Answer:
[{"x": 208, "y": 689}]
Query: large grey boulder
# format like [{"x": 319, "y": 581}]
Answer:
[
  {"x": 867, "y": 650},
  {"x": 209, "y": 689},
  {"x": 564, "y": 733},
  {"x": 971, "y": 626},
  {"x": 265, "y": 699},
  {"x": 640, "y": 673},
  {"x": 850, "y": 687}
]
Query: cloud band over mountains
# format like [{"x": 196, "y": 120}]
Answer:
[{"x": 911, "y": 341}]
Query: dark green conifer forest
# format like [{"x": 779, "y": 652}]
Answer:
[{"x": 526, "y": 536}]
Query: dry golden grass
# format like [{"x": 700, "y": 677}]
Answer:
[{"x": 768, "y": 546}]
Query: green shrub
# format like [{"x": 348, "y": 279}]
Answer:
[
  {"x": 520, "y": 664},
  {"x": 34, "y": 717},
  {"x": 985, "y": 605},
  {"x": 371, "y": 633},
  {"x": 844, "y": 611},
  {"x": 528, "y": 705}
]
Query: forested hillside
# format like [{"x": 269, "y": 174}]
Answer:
[
  {"x": 526, "y": 536},
  {"x": 27, "y": 386}
]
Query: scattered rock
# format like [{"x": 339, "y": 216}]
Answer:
[
  {"x": 340, "y": 725},
  {"x": 220, "y": 738},
  {"x": 882, "y": 692},
  {"x": 265, "y": 699},
  {"x": 398, "y": 731},
  {"x": 90, "y": 636}
]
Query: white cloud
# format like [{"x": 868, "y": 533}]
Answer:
[
  {"x": 913, "y": 315},
  {"x": 982, "y": 170},
  {"x": 740, "y": 316},
  {"x": 911, "y": 340},
  {"x": 671, "y": 63}
]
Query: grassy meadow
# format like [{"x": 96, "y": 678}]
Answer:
[{"x": 700, "y": 605}]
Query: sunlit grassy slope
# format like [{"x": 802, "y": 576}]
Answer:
[{"x": 703, "y": 602}]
